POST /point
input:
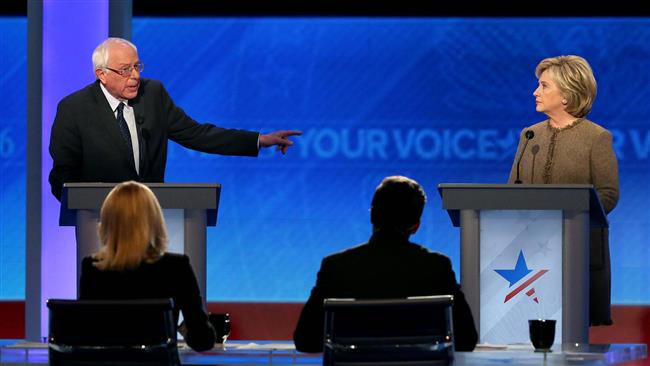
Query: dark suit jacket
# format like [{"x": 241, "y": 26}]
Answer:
[
  {"x": 170, "y": 277},
  {"x": 388, "y": 266},
  {"x": 86, "y": 144}
]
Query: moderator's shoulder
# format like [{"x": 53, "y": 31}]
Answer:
[
  {"x": 88, "y": 261},
  {"x": 433, "y": 256},
  {"x": 346, "y": 253},
  {"x": 174, "y": 259}
]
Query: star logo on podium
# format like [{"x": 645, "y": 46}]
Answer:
[{"x": 518, "y": 273}]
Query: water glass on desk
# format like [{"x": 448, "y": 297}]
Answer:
[
  {"x": 542, "y": 334},
  {"x": 221, "y": 324}
]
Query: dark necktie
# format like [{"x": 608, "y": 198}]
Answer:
[{"x": 124, "y": 129}]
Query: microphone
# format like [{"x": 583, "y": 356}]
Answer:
[
  {"x": 535, "y": 149},
  {"x": 529, "y": 136}
]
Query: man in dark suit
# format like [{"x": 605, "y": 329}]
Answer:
[
  {"x": 387, "y": 266},
  {"x": 116, "y": 129}
]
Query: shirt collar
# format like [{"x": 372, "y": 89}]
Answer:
[{"x": 112, "y": 101}]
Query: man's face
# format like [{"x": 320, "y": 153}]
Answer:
[{"x": 121, "y": 56}]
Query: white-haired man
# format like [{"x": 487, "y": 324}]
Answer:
[{"x": 116, "y": 129}]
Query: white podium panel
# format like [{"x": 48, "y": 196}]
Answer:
[
  {"x": 175, "y": 222},
  {"x": 520, "y": 273}
]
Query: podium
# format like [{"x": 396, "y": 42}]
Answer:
[
  {"x": 524, "y": 252},
  {"x": 197, "y": 203}
]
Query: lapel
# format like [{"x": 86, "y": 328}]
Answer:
[
  {"x": 106, "y": 119},
  {"x": 138, "y": 108},
  {"x": 141, "y": 125}
]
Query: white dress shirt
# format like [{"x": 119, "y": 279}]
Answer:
[{"x": 129, "y": 116}]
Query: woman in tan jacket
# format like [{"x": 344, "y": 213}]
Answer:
[{"x": 569, "y": 149}]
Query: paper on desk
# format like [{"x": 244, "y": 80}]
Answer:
[
  {"x": 521, "y": 347},
  {"x": 490, "y": 346},
  {"x": 263, "y": 346},
  {"x": 503, "y": 347}
]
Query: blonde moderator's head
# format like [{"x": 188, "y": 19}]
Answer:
[{"x": 131, "y": 229}]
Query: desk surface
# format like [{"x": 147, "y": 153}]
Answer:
[{"x": 282, "y": 353}]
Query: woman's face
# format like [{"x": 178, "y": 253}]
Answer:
[{"x": 548, "y": 97}]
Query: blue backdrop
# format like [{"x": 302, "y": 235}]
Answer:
[
  {"x": 439, "y": 100},
  {"x": 13, "y": 134}
]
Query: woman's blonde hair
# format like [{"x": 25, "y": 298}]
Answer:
[
  {"x": 131, "y": 229},
  {"x": 574, "y": 77}
]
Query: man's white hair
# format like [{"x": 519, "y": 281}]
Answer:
[{"x": 100, "y": 55}]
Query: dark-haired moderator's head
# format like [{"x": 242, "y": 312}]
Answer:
[{"x": 397, "y": 205}]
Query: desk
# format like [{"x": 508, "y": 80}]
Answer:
[
  {"x": 567, "y": 354},
  {"x": 282, "y": 353}
]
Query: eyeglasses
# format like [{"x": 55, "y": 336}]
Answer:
[{"x": 127, "y": 70}]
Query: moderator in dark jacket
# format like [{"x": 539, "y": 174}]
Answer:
[
  {"x": 388, "y": 266},
  {"x": 86, "y": 144},
  {"x": 169, "y": 277}
]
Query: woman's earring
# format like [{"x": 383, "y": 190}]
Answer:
[{"x": 564, "y": 101}]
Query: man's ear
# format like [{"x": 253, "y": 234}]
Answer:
[
  {"x": 101, "y": 75},
  {"x": 413, "y": 229}
]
